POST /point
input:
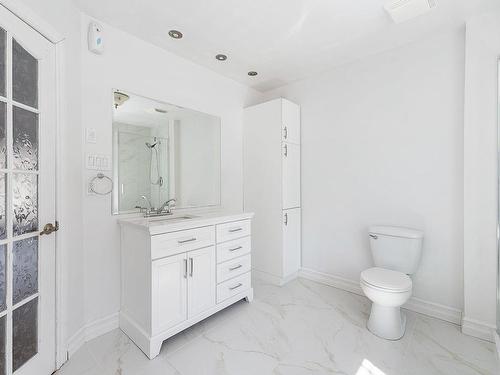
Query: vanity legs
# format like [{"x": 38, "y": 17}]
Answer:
[{"x": 249, "y": 297}]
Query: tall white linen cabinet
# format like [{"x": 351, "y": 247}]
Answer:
[{"x": 271, "y": 169}]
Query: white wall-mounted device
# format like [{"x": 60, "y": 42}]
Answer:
[
  {"x": 404, "y": 10},
  {"x": 96, "y": 41}
]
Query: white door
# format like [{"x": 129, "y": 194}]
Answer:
[
  {"x": 291, "y": 241},
  {"x": 27, "y": 199},
  {"x": 290, "y": 116},
  {"x": 201, "y": 281},
  {"x": 291, "y": 175},
  {"x": 169, "y": 292}
]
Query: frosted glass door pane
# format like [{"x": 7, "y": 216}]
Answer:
[
  {"x": 3, "y": 136},
  {"x": 25, "y": 139},
  {"x": 24, "y": 333},
  {"x": 3, "y": 203},
  {"x": 3, "y": 36},
  {"x": 2, "y": 345},
  {"x": 3, "y": 278},
  {"x": 25, "y": 203},
  {"x": 25, "y": 269},
  {"x": 24, "y": 76}
]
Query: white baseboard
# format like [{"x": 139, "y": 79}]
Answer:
[
  {"x": 476, "y": 328},
  {"x": 418, "y": 305},
  {"x": 273, "y": 279},
  {"x": 91, "y": 331}
]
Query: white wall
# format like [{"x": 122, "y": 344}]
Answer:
[
  {"x": 480, "y": 198},
  {"x": 382, "y": 143},
  {"x": 63, "y": 16},
  {"x": 133, "y": 65}
]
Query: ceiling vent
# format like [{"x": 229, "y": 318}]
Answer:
[{"x": 404, "y": 10}]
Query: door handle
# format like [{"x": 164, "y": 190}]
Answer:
[
  {"x": 286, "y": 151},
  {"x": 191, "y": 266},
  {"x": 185, "y": 268},
  {"x": 285, "y": 132},
  {"x": 49, "y": 228},
  {"x": 286, "y": 219}
]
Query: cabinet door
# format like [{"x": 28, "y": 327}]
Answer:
[
  {"x": 291, "y": 241},
  {"x": 169, "y": 292},
  {"x": 290, "y": 116},
  {"x": 291, "y": 176},
  {"x": 201, "y": 280}
]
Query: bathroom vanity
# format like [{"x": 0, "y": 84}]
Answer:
[{"x": 178, "y": 270}]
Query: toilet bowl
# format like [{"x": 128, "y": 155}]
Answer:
[
  {"x": 388, "y": 290},
  {"x": 396, "y": 254}
]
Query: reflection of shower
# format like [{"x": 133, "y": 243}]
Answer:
[{"x": 152, "y": 147}]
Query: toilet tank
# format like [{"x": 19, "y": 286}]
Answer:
[{"x": 396, "y": 248}]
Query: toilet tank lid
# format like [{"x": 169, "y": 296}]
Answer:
[{"x": 384, "y": 230}]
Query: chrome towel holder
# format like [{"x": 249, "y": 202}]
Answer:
[{"x": 100, "y": 176}]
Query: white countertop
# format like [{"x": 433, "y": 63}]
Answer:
[{"x": 175, "y": 222}]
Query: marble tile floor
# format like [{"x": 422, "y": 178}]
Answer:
[{"x": 301, "y": 328}]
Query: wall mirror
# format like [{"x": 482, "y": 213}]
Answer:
[{"x": 163, "y": 151}]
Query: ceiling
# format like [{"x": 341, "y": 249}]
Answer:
[{"x": 283, "y": 40}]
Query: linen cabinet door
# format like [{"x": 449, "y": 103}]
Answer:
[
  {"x": 290, "y": 116},
  {"x": 291, "y": 176},
  {"x": 291, "y": 241},
  {"x": 169, "y": 292},
  {"x": 201, "y": 280}
]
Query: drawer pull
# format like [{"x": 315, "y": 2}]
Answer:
[
  {"x": 236, "y": 287},
  {"x": 235, "y": 268},
  {"x": 235, "y": 230},
  {"x": 236, "y": 248},
  {"x": 186, "y": 241}
]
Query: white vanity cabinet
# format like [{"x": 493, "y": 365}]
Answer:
[
  {"x": 179, "y": 271},
  {"x": 271, "y": 165}
]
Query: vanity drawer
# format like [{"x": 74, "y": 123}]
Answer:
[
  {"x": 233, "y": 249},
  {"x": 233, "y": 268},
  {"x": 231, "y": 231},
  {"x": 233, "y": 287},
  {"x": 167, "y": 244}
]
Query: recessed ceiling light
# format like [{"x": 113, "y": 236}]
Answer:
[
  {"x": 252, "y": 73},
  {"x": 221, "y": 57},
  {"x": 175, "y": 34}
]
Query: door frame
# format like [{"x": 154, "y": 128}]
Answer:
[{"x": 39, "y": 25}]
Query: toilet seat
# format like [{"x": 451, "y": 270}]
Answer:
[{"x": 386, "y": 280}]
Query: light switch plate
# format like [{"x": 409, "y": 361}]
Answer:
[{"x": 98, "y": 162}]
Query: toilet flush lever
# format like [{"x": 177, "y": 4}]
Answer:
[{"x": 374, "y": 236}]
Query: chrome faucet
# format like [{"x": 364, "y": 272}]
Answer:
[
  {"x": 147, "y": 209},
  {"x": 167, "y": 207}
]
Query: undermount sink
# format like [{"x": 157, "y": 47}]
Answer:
[{"x": 171, "y": 218}]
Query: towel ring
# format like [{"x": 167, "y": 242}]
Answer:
[{"x": 100, "y": 176}]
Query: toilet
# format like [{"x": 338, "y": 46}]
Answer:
[{"x": 396, "y": 255}]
